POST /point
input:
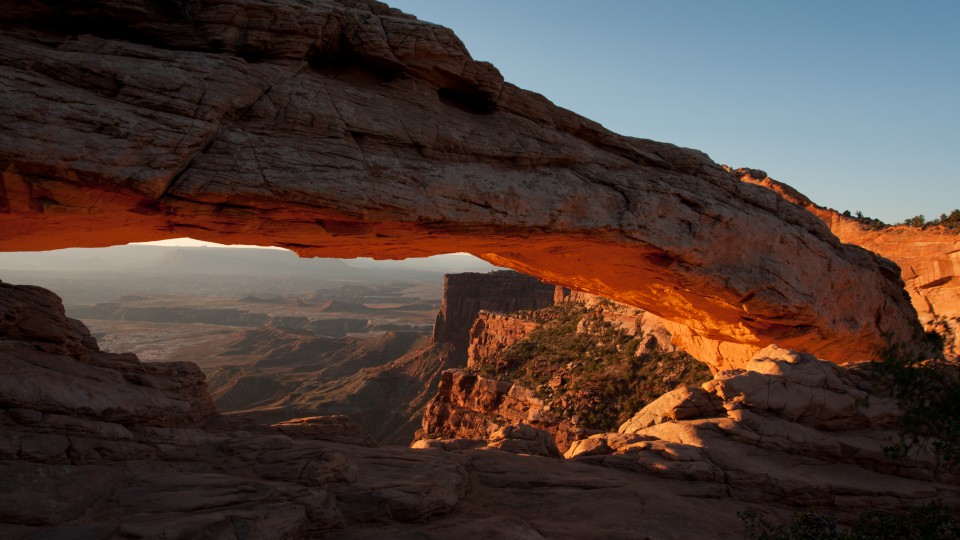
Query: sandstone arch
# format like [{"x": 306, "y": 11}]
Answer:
[{"x": 346, "y": 128}]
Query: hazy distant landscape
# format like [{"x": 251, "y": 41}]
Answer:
[
  {"x": 266, "y": 326},
  {"x": 86, "y": 276}
]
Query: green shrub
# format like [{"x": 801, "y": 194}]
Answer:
[
  {"x": 951, "y": 221},
  {"x": 605, "y": 381}
]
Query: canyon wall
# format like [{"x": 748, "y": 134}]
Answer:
[
  {"x": 346, "y": 128},
  {"x": 929, "y": 257},
  {"x": 493, "y": 332},
  {"x": 466, "y": 294},
  {"x": 578, "y": 367}
]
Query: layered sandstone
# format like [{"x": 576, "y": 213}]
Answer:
[
  {"x": 493, "y": 332},
  {"x": 346, "y": 128},
  {"x": 470, "y": 406},
  {"x": 468, "y": 293},
  {"x": 929, "y": 257}
]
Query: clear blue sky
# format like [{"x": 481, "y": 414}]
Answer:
[{"x": 854, "y": 103}]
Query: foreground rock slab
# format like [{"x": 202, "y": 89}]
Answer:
[{"x": 346, "y": 128}]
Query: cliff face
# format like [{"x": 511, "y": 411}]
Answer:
[
  {"x": 578, "y": 367},
  {"x": 929, "y": 258},
  {"x": 814, "y": 432},
  {"x": 466, "y": 294},
  {"x": 100, "y": 445},
  {"x": 493, "y": 332},
  {"x": 346, "y": 128}
]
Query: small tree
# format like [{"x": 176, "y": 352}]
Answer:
[{"x": 916, "y": 221}]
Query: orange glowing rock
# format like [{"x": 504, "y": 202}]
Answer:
[
  {"x": 348, "y": 129},
  {"x": 929, "y": 259}
]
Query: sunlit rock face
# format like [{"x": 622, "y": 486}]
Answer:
[
  {"x": 929, "y": 259},
  {"x": 466, "y": 294},
  {"x": 346, "y": 128}
]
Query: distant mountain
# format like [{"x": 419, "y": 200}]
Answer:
[
  {"x": 85, "y": 276},
  {"x": 233, "y": 261},
  {"x": 443, "y": 264},
  {"x": 226, "y": 261}
]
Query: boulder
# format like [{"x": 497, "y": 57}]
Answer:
[{"x": 524, "y": 439}]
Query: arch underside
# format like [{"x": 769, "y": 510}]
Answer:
[{"x": 341, "y": 131}]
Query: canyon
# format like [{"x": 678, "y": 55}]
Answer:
[
  {"x": 383, "y": 383},
  {"x": 648, "y": 376},
  {"x": 100, "y": 445},
  {"x": 343, "y": 128}
]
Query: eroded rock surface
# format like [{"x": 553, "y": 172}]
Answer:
[
  {"x": 98, "y": 445},
  {"x": 929, "y": 258},
  {"x": 468, "y": 293},
  {"x": 787, "y": 426},
  {"x": 581, "y": 366},
  {"x": 346, "y": 128}
]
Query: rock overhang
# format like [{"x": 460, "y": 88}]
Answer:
[{"x": 346, "y": 128}]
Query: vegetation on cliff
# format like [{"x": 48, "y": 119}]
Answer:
[
  {"x": 869, "y": 222},
  {"x": 590, "y": 370},
  {"x": 951, "y": 221}
]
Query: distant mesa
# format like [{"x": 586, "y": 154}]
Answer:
[
  {"x": 134, "y": 298},
  {"x": 257, "y": 300},
  {"x": 466, "y": 294},
  {"x": 341, "y": 306}
]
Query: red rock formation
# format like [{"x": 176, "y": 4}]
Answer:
[
  {"x": 346, "y": 128},
  {"x": 470, "y": 406},
  {"x": 929, "y": 258},
  {"x": 99, "y": 445},
  {"x": 535, "y": 368},
  {"x": 493, "y": 332},
  {"x": 799, "y": 415},
  {"x": 466, "y": 294}
]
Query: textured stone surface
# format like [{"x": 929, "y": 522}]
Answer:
[
  {"x": 336, "y": 428},
  {"x": 787, "y": 426},
  {"x": 524, "y": 439},
  {"x": 493, "y": 332},
  {"x": 158, "y": 463},
  {"x": 345, "y": 128},
  {"x": 466, "y": 294},
  {"x": 471, "y": 406},
  {"x": 929, "y": 258}
]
